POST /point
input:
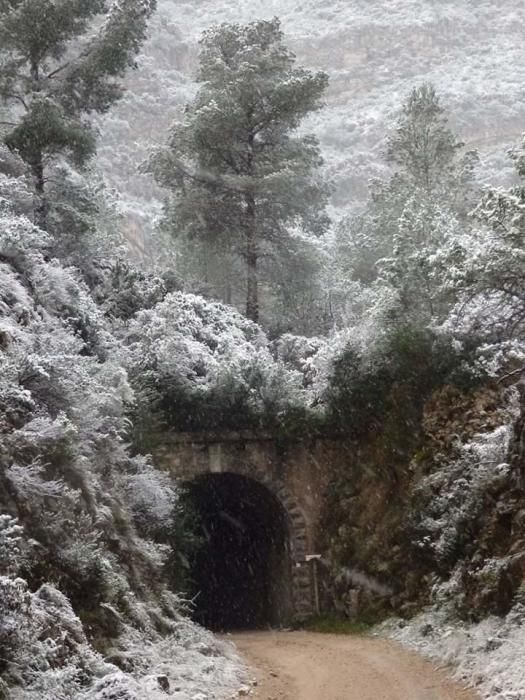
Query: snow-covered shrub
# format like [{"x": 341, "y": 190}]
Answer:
[
  {"x": 45, "y": 655},
  {"x": 21, "y": 243},
  {"x": 487, "y": 655},
  {"x": 189, "y": 661},
  {"x": 206, "y": 365},
  {"x": 151, "y": 497},
  {"x": 464, "y": 524},
  {"x": 66, "y": 472},
  {"x": 487, "y": 264},
  {"x": 44, "y": 650},
  {"x": 15, "y": 188},
  {"x": 122, "y": 290},
  {"x": 451, "y": 498},
  {"x": 12, "y": 544},
  {"x": 302, "y": 355},
  {"x": 391, "y": 377}
]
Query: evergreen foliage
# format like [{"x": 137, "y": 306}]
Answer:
[
  {"x": 61, "y": 60},
  {"x": 495, "y": 259},
  {"x": 422, "y": 146},
  {"x": 410, "y": 231},
  {"x": 201, "y": 365},
  {"x": 237, "y": 168},
  {"x": 391, "y": 382},
  {"x": 421, "y": 300}
]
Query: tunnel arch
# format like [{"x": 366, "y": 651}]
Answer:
[{"x": 251, "y": 569}]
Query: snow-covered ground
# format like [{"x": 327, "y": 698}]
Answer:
[
  {"x": 190, "y": 664},
  {"x": 489, "y": 656}
]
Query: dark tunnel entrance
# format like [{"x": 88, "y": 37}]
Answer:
[{"x": 241, "y": 573}]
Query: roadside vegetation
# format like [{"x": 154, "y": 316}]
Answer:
[{"x": 399, "y": 330}]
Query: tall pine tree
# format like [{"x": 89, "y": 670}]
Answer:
[
  {"x": 424, "y": 149},
  {"x": 61, "y": 60},
  {"x": 238, "y": 170},
  {"x": 403, "y": 242}
]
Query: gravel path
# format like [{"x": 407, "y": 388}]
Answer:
[{"x": 309, "y": 666}]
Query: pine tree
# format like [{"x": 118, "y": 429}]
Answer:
[
  {"x": 415, "y": 215},
  {"x": 423, "y": 147},
  {"x": 494, "y": 269},
  {"x": 237, "y": 169},
  {"x": 61, "y": 60}
]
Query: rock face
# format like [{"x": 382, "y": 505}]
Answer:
[
  {"x": 449, "y": 514},
  {"x": 517, "y": 457},
  {"x": 494, "y": 574},
  {"x": 374, "y": 50}
]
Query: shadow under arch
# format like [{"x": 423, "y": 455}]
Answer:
[{"x": 247, "y": 573}]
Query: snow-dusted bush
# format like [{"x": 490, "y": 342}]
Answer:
[
  {"x": 490, "y": 278},
  {"x": 45, "y": 654},
  {"x": 151, "y": 497},
  {"x": 188, "y": 662},
  {"x": 388, "y": 380},
  {"x": 487, "y": 655},
  {"x": 78, "y": 511},
  {"x": 12, "y": 544},
  {"x": 300, "y": 354},
  {"x": 206, "y": 365},
  {"x": 452, "y": 496}
]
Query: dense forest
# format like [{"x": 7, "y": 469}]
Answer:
[{"x": 261, "y": 294}]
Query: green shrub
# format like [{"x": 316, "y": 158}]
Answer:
[{"x": 391, "y": 382}]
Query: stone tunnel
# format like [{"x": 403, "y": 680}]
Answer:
[{"x": 259, "y": 502}]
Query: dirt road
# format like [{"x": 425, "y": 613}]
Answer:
[{"x": 309, "y": 666}]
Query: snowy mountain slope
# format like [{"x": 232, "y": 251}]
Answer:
[{"x": 374, "y": 51}]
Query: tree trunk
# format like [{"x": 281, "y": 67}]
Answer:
[
  {"x": 252, "y": 257},
  {"x": 252, "y": 248},
  {"x": 228, "y": 293},
  {"x": 37, "y": 169},
  {"x": 37, "y": 162}
]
